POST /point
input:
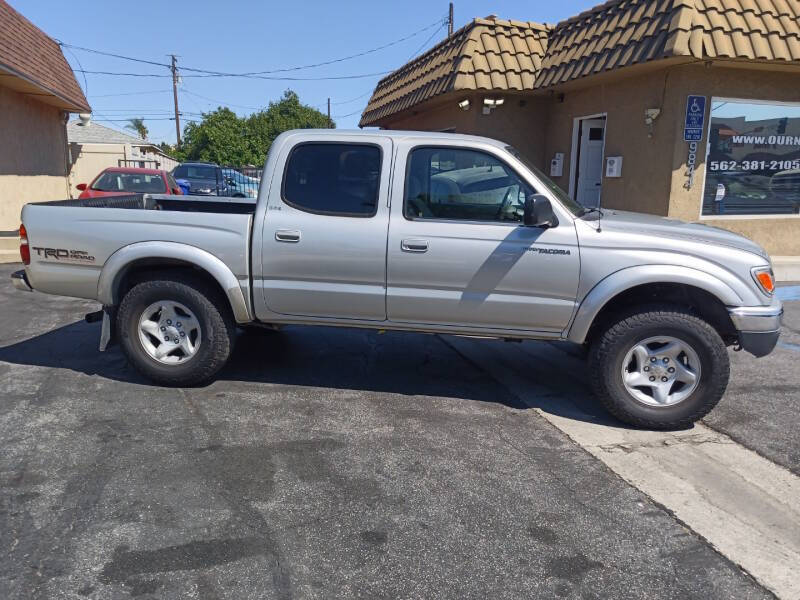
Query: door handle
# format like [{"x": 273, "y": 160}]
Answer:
[
  {"x": 287, "y": 235},
  {"x": 414, "y": 245}
]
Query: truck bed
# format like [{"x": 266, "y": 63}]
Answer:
[
  {"x": 71, "y": 240},
  {"x": 205, "y": 204}
]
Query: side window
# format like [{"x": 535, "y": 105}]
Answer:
[
  {"x": 462, "y": 185},
  {"x": 180, "y": 172},
  {"x": 333, "y": 179}
]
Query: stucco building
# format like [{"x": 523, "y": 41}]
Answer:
[
  {"x": 38, "y": 91},
  {"x": 94, "y": 147},
  {"x": 682, "y": 108}
]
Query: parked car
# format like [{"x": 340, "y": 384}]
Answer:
[
  {"x": 240, "y": 185},
  {"x": 205, "y": 179},
  {"x": 349, "y": 234},
  {"x": 121, "y": 181}
]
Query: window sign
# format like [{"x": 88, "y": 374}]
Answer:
[{"x": 753, "y": 158}]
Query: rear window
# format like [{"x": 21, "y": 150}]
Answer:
[
  {"x": 333, "y": 179},
  {"x": 196, "y": 172},
  {"x": 144, "y": 183}
]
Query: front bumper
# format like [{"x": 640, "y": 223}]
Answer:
[
  {"x": 20, "y": 281},
  {"x": 758, "y": 327}
]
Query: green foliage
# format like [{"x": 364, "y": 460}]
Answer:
[
  {"x": 138, "y": 126},
  {"x": 225, "y": 138}
]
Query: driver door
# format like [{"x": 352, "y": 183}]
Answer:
[{"x": 459, "y": 256}]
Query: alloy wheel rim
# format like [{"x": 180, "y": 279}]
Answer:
[
  {"x": 169, "y": 332},
  {"x": 661, "y": 371}
]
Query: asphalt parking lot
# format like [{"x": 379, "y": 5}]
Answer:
[{"x": 340, "y": 463}]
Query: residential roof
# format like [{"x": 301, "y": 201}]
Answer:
[
  {"x": 489, "y": 54},
  {"x": 486, "y": 54},
  {"x": 94, "y": 133},
  {"x": 33, "y": 64}
]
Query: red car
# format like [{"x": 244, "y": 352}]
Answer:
[{"x": 121, "y": 181}]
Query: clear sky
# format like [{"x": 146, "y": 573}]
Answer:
[{"x": 250, "y": 35}]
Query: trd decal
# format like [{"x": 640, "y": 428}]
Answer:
[{"x": 64, "y": 255}]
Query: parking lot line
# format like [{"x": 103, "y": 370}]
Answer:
[{"x": 741, "y": 503}]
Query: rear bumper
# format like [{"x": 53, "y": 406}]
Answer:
[
  {"x": 20, "y": 281},
  {"x": 758, "y": 327}
]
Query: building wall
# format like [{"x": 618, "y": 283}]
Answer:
[
  {"x": 88, "y": 160},
  {"x": 33, "y": 155},
  {"x": 646, "y": 174},
  {"x": 520, "y": 121},
  {"x": 781, "y": 235}
]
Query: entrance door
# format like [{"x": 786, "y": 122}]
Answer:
[
  {"x": 324, "y": 244},
  {"x": 590, "y": 161}
]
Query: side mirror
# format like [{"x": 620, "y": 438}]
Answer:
[
  {"x": 538, "y": 212},
  {"x": 82, "y": 187},
  {"x": 230, "y": 181}
]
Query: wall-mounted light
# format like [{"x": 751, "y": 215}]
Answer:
[
  {"x": 491, "y": 103},
  {"x": 464, "y": 104}
]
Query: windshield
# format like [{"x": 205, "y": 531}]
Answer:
[
  {"x": 115, "y": 181},
  {"x": 568, "y": 203},
  {"x": 196, "y": 172}
]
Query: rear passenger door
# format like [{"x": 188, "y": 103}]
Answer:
[{"x": 324, "y": 244}]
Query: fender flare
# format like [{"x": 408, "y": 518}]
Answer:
[
  {"x": 118, "y": 263},
  {"x": 625, "y": 279}
]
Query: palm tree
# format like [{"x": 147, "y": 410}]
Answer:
[{"x": 138, "y": 126}]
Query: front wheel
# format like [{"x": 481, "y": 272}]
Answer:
[
  {"x": 172, "y": 332},
  {"x": 660, "y": 367}
]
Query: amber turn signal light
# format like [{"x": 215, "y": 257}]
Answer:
[{"x": 765, "y": 279}]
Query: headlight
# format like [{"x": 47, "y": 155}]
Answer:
[{"x": 765, "y": 279}]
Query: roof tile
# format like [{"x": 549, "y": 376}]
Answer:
[
  {"x": 497, "y": 55},
  {"x": 28, "y": 51}
]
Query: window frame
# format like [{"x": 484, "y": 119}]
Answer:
[
  {"x": 471, "y": 149},
  {"x": 328, "y": 213},
  {"x": 707, "y": 145}
]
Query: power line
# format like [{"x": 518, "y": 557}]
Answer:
[
  {"x": 426, "y": 42},
  {"x": 211, "y": 73},
  {"x": 242, "y": 75},
  {"x": 352, "y": 99},
  {"x": 131, "y": 93},
  {"x": 185, "y": 91},
  {"x": 347, "y": 115}
]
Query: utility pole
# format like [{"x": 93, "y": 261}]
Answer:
[
  {"x": 450, "y": 21},
  {"x": 329, "y": 113},
  {"x": 174, "y": 69}
]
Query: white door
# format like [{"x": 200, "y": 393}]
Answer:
[{"x": 590, "y": 162}]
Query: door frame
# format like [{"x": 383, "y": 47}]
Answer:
[{"x": 573, "y": 155}]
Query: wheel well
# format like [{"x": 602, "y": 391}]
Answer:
[
  {"x": 147, "y": 268},
  {"x": 704, "y": 304}
]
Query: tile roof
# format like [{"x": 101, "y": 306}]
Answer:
[
  {"x": 99, "y": 134},
  {"x": 491, "y": 54},
  {"x": 620, "y": 33},
  {"x": 486, "y": 54},
  {"x": 27, "y": 52}
]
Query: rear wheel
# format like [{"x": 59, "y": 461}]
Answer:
[
  {"x": 660, "y": 367},
  {"x": 172, "y": 331}
]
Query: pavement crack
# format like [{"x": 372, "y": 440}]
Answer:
[{"x": 686, "y": 440}]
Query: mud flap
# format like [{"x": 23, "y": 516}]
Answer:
[{"x": 107, "y": 337}]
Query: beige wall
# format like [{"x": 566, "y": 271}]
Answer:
[
  {"x": 520, "y": 121},
  {"x": 90, "y": 159},
  {"x": 780, "y": 236},
  {"x": 33, "y": 156}
]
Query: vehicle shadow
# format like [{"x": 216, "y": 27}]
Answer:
[{"x": 337, "y": 358}]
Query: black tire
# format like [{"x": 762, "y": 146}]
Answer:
[
  {"x": 610, "y": 347},
  {"x": 211, "y": 310}
]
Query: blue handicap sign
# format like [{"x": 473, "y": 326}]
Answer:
[{"x": 695, "y": 117}]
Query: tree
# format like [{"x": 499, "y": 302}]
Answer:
[
  {"x": 138, "y": 126},
  {"x": 225, "y": 138}
]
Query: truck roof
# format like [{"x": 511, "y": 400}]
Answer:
[{"x": 400, "y": 134}]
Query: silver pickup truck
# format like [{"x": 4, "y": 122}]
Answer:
[{"x": 428, "y": 232}]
